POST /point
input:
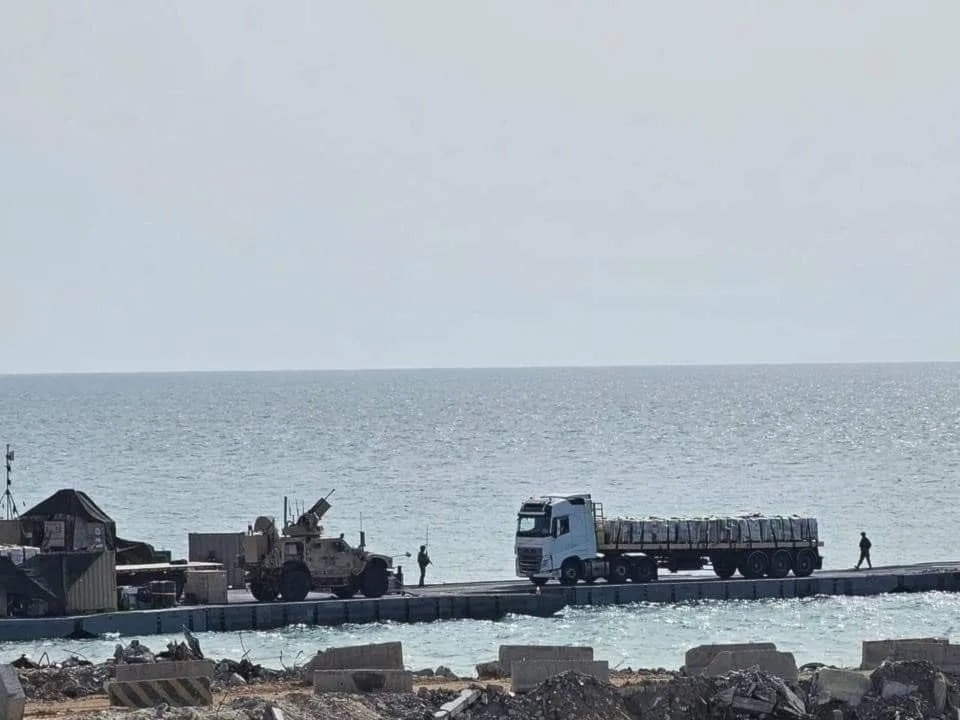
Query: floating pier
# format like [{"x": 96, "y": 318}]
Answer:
[
  {"x": 264, "y": 616},
  {"x": 879, "y": 581},
  {"x": 479, "y": 601}
]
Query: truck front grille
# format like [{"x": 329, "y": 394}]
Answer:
[{"x": 529, "y": 559}]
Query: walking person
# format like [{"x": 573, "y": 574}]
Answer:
[
  {"x": 865, "y": 545},
  {"x": 423, "y": 560}
]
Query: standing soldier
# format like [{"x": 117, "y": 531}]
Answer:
[
  {"x": 864, "y": 551},
  {"x": 423, "y": 560}
]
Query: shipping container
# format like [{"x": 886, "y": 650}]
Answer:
[{"x": 95, "y": 590}]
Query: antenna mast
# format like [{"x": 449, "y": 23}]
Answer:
[{"x": 8, "y": 506}]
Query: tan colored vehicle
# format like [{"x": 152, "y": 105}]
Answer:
[{"x": 291, "y": 563}]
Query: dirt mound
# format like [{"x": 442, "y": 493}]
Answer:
[
  {"x": 681, "y": 696},
  {"x": 568, "y": 696}
]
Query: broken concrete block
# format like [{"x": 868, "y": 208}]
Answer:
[{"x": 844, "y": 685}]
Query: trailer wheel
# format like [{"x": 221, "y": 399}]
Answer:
[
  {"x": 262, "y": 593},
  {"x": 754, "y": 565},
  {"x": 619, "y": 570},
  {"x": 723, "y": 566},
  {"x": 346, "y": 592},
  {"x": 294, "y": 584},
  {"x": 804, "y": 562},
  {"x": 780, "y": 564},
  {"x": 724, "y": 572},
  {"x": 644, "y": 570}
]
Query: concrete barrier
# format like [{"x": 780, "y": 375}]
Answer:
[
  {"x": 175, "y": 692},
  {"x": 781, "y": 664},
  {"x": 525, "y": 675},
  {"x": 362, "y": 681},
  {"x": 510, "y": 654},
  {"x": 936, "y": 651},
  {"x": 378, "y": 656},
  {"x": 846, "y": 686},
  {"x": 165, "y": 669},
  {"x": 12, "y": 699},
  {"x": 697, "y": 658}
]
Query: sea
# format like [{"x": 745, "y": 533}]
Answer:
[{"x": 445, "y": 457}]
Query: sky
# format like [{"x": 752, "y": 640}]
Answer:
[{"x": 234, "y": 185}]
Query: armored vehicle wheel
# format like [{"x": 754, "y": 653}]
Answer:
[
  {"x": 780, "y": 564},
  {"x": 644, "y": 570},
  {"x": 262, "y": 593},
  {"x": 570, "y": 571},
  {"x": 345, "y": 593},
  {"x": 754, "y": 565},
  {"x": 294, "y": 584},
  {"x": 375, "y": 581},
  {"x": 804, "y": 562},
  {"x": 619, "y": 570}
]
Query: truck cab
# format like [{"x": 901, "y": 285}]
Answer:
[{"x": 556, "y": 538}]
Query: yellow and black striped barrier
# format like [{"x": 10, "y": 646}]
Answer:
[{"x": 175, "y": 692}]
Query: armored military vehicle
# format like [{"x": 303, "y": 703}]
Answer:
[{"x": 290, "y": 563}]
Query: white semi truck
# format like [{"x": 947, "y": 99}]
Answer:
[{"x": 567, "y": 537}]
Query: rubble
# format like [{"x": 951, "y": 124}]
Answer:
[
  {"x": 683, "y": 696},
  {"x": 754, "y": 692},
  {"x": 910, "y": 677},
  {"x": 904, "y": 690},
  {"x": 568, "y": 695},
  {"x": 740, "y": 693},
  {"x": 64, "y": 681},
  {"x": 135, "y": 652}
]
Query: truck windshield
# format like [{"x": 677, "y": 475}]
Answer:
[{"x": 533, "y": 525}]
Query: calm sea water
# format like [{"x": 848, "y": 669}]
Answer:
[{"x": 447, "y": 456}]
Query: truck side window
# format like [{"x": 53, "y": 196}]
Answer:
[{"x": 563, "y": 526}]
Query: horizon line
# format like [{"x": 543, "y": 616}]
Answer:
[{"x": 611, "y": 366}]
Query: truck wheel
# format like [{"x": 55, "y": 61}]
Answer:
[
  {"x": 644, "y": 570},
  {"x": 754, "y": 565},
  {"x": 804, "y": 562},
  {"x": 724, "y": 572},
  {"x": 262, "y": 593},
  {"x": 780, "y": 564},
  {"x": 345, "y": 593},
  {"x": 294, "y": 584},
  {"x": 570, "y": 572},
  {"x": 723, "y": 567},
  {"x": 619, "y": 571},
  {"x": 375, "y": 581}
]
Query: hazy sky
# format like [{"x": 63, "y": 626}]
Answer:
[{"x": 228, "y": 185}]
